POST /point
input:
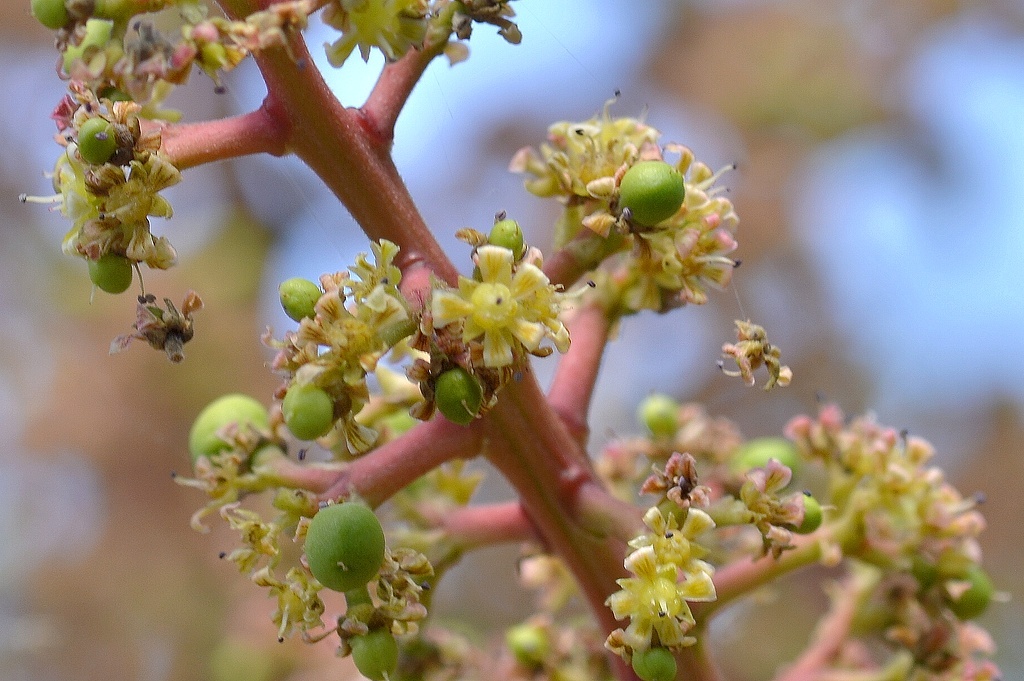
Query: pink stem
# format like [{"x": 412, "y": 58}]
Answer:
[
  {"x": 194, "y": 144},
  {"x": 605, "y": 515},
  {"x": 547, "y": 468},
  {"x": 393, "y": 88},
  {"x": 339, "y": 146},
  {"x": 832, "y": 631},
  {"x": 485, "y": 525},
  {"x": 573, "y": 387},
  {"x": 377, "y": 476},
  {"x": 310, "y": 477},
  {"x": 743, "y": 575}
]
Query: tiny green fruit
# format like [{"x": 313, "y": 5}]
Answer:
[
  {"x": 652, "y": 191},
  {"x": 97, "y": 141},
  {"x": 115, "y": 9},
  {"x": 924, "y": 571},
  {"x": 458, "y": 395},
  {"x": 298, "y": 296},
  {"x": 111, "y": 273},
  {"x": 530, "y": 643},
  {"x": 756, "y": 453},
  {"x": 236, "y": 408},
  {"x": 115, "y": 95},
  {"x": 358, "y": 596},
  {"x": 344, "y": 546},
  {"x": 50, "y": 13},
  {"x": 97, "y": 34},
  {"x": 375, "y": 654},
  {"x": 812, "y": 515},
  {"x": 660, "y": 414},
  {"x": 308, "y": 411},
  {"x": 974, "y": 601},
  {"x": 508, "y": 234},
  {"x": 654, "y": 664}
]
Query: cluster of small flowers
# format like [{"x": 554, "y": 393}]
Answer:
[
  {"x": 397, "y": 26},
  {"x": 670, "y": 231},
  {"x": 248, "y": 461},
  {"x": 506, "y": 312},
  {"x": 298, "y": 602},
  {"x": 907, "y": 538},
  {"x": 340, "y": 338},
  {"x": 108, "y": 181},
  {"x": 668, "y": 573},
  {"x": 917, "y": 532},
  {"x": 107, "y": 51}
]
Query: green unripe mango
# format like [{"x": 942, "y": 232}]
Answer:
[
  {"x": 308, "y": 411},
  {"x": 660, "y": 414},
  {"x": 654, "y": 664},
  {"x": 298, "y": 297},
  {"x": 345, "y": 546},
  {"x": 458, "y": 396},
  {"x": 97, "y": 141},
  {"x": 812, "y": 515},
  {"x": 974, "y": 601},
  {"x": 243, "y": 410},
  {"x": 652, "y": 191},
  {"x": 375, "y": 654},
  {"x": 111, "y": 273},
  {"x": 508, "y": 234},
  {"x": 530, "y": 643},
  {"x": 50, "y": 13},
  {"x": 756, "y": 453}
]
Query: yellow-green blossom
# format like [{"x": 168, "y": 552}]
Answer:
[
  {"x": 347, "y": 336},
  {"x": 581, "y": 159},
  {"x": 392, "y": 26},
  {"x": 667, "y": 573},
  {"x": 259, "y": 539},
  {"x": 111, "y": 208},
  {"x": 510, "y": 311},
  {"x": 298, "y": 600}
]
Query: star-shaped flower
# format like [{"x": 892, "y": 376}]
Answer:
[{"x": 510, "y": 310}]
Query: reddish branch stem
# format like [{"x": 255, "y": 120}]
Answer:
[
  {"x": 485, "y": 525},
  {"x": 741, "y": 576},
  {"x": 193, "y": 144},
  {"x": 393, "y": 88},
  {"x": 350, "y": 158},
  {"x": 604, "y": 515},
  {"x": 830, "y": 634},
  {"x": 380, "y": 474},
  {"x": 349, "y": 149},
  {"x": 547, "y": 468},
  {"x": 573, "y": 387}
]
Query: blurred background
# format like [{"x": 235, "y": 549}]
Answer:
[{"x": 880, "y": 153}]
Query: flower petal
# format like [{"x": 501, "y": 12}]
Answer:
[{"x": 447, "y": 307}]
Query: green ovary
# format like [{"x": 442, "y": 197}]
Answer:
[{"x": 493, "y": 306}]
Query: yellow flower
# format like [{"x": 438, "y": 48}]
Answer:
[
  {"x": 581, "y": 159},
  {"x": 116, "y": 218},
  {"x": 392, "y": 26},
  {"x": 667, "y": 574},
  {"x": 509, "y": 310},
  {"x": 652, "y": 601},
  {"x": 298, "y": 600}
]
